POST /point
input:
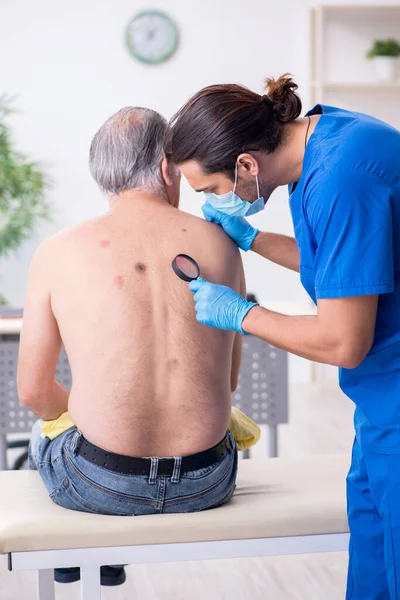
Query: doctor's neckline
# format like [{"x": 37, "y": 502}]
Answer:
[{"x": 306, "y": 142}]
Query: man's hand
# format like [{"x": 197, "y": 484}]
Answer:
[
  {"x": 219, "y": 306},
  {"x": 242, "y": 233}
]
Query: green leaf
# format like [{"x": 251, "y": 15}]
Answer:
[
  {"x": 23, "y": 187},
  {"x": 388, "y": 47}
]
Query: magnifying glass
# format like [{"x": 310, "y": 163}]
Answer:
[{"x": 185, "y": 267}]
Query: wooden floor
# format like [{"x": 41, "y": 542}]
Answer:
[{"x": 320, "y": 422}]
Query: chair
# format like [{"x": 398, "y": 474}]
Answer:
[
  {"x": 15, "y": 418},
  {"x": 262, "y": 392}
]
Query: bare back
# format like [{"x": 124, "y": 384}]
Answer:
[{"x": 147, "y": 378}]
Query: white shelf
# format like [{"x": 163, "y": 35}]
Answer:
[
  {"x": 364, "y": 8},
  {"x": 340, "y": 37},
  {"x": 357, "y": 85}
]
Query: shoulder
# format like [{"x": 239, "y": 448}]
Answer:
[
  {"x": 58, "y": 245},
  {"x": 221, "y": 245},
  {"x": 218, "y": 256},
  {"x": 212, "y": 235},
  {"x": 348, "y": 140}
]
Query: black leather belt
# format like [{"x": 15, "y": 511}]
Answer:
[{"x": 129, "y": 465}]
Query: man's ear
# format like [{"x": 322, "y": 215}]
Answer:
[
  {"x": 166, "y": 172},
  {"x": 172, "y": 178},
  {"x": 247, "y": 166}
]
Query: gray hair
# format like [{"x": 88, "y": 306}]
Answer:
[{"x": 126, "y": 152}]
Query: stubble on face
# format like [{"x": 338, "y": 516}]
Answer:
[{"x": 247, "y": 190}]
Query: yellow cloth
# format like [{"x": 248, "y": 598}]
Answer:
[
  {"x": 245, "y": 431},
  {"x": 52, "y": 429}
]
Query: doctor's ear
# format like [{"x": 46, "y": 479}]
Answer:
[
  {"x": 170, "y": 172},
  {"x": 247, "y": 165}
]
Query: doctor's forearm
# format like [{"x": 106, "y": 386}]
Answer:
[
  {"x": 279, "y": 249},
  {"x": 300, "y": 335}
]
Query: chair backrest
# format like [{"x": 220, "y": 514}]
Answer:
[
  {"x": 262, "y": 392},
  {"x": 15, "y": 418}
]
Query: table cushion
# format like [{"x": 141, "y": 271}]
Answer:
[{"x": 274, "y": 498}]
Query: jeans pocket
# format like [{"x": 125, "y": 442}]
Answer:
[
  {"x": 67, "y": 497},
  {"x": 105, "y": 499},
  {"x": 200, "y": 473},
  {"x": 193, "y": 495},
  {"x": 205, "y": 471},
  {"x": 227, "y": 497}
]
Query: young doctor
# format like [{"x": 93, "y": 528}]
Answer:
[{"x": 343, "y": 173}]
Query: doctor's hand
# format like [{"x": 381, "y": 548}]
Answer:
[
  {"x": 237, "y": 228},
  {"x": 219, "y": 306}
]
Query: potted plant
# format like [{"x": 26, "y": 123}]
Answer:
[
  {"x": 23, "y": 184},
  {"x": 385, "y": 55}
]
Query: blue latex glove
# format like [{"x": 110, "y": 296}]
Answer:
[
  {"x": 219, "y": 306},
  {"x": 237, "y": 228}
]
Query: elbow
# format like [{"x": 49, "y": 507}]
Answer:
[
  {"x": 351, "y": 357},
  {"x": 28, "y": 397},
  {"x": 350, "y": 361},
  {"x": 30, "y": 394}
]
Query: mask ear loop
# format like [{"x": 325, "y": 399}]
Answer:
[
  {"x": 258, "y": 188},
  {"x": 236, "y": 177}
]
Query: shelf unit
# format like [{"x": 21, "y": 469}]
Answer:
[
  {"x": 342, "y": 76},
  {"x": 340, "y": 73},
  {"x": 394, "y": 85}
]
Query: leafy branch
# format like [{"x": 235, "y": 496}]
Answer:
[{"x": 23, "y": 186}]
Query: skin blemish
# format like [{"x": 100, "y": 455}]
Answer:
[
  {"x": 119, "y": 280},
  {"x": 104, "y": 243},
  {"x": 184, "y": 230},
  {"x": 140, "y": 267}
]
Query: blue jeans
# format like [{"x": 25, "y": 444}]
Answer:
[{"x": 75, "y": 483}]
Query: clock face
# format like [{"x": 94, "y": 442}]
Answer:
[{"x": 152, "y": 37}]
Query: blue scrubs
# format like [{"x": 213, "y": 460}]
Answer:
[{"x": 346, "y": 215}]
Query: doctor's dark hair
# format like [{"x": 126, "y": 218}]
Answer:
[{"x": 222, "y": 121}]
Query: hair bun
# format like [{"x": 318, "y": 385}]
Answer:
[{"x": 281, "y": 93}]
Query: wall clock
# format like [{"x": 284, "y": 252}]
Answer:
[{"x": 152, "y": 37}]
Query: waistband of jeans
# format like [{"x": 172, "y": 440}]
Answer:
[{"x": 128, "y": 465}]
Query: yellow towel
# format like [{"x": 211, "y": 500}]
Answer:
[
  {"x": 52, "y": 429},
  {"x": 245, "y": 431}
]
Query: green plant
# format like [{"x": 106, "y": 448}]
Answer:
[
  {"x": 388, "y": 47},
  {"x": 23, "y": 185}
]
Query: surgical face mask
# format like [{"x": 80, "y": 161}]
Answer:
[{"x": 232, "y": 204}]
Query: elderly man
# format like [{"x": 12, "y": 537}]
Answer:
[{"x": 151, "y": 393}]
